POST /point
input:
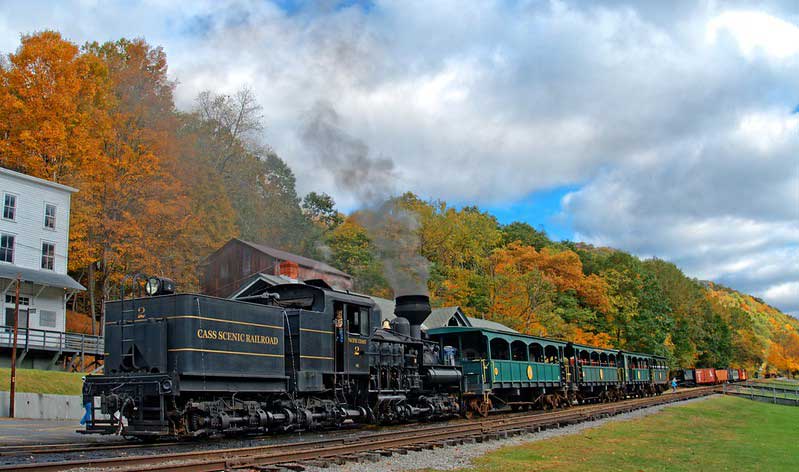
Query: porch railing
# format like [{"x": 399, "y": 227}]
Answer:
[{"x": 54, "y": 341}]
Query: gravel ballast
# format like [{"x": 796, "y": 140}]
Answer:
[{"x": 456, "y": 457}]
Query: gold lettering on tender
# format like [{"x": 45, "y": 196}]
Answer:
[{"x": 238, "y": 337}]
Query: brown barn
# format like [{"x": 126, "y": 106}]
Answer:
[{"x": 237, "y": 261}]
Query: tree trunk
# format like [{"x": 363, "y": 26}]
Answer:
[
  {"x": 106, "y": 287},
  {"x": 91, "y": 298}
]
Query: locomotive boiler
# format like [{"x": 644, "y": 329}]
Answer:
[{"x": 297, "y": 356}]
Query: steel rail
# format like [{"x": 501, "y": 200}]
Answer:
[
  {"x": 66, "y": 448},
  {"x": 224, "y": 459}
]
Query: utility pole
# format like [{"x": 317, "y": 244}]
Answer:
[{"x": 14, "y": 350}]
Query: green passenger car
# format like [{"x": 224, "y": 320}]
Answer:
[{"x": 493, "y": 360}]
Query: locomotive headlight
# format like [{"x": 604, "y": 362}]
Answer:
[
  {"x": 152, "y": 285},
  {"x": 159, "y": 286}
]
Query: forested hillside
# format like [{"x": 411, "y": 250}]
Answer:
[
  {"x": 161, "y": 188},
  {"x": 515, "y": 275}
]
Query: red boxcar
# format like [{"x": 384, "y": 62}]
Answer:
[
  {"x": 742, "y": 374},
  {"x": 705, "y": 376},
  {"x": 722, "y": 375}
]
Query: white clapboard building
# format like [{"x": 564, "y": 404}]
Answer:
[{"x": 34, "y": 243}]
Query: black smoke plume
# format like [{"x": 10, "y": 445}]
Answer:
[{"x": 372, "y": 180}]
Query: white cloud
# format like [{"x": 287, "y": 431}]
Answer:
[
  {"x": 757, "y": 31},
  {"x": 672, "y": 114}
]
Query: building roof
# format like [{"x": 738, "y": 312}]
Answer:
[
  {"x": 268, "y": 279},
  {"x": 41, "y": 277},
  {"x": 440, "y": 317},
  {"x": 486, "y": 324},
  {"x": 300, "y": 260},
  {"x": 37, "y": 180}
]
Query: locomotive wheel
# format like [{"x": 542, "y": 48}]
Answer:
[
  {"x": 485, "y": 407},
  {"x": 478, "y": 407}
]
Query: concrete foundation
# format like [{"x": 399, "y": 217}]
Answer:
[{"x": 43, "y": 406}]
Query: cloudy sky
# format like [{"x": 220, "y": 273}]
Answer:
[{"x": 669, "y": 129}]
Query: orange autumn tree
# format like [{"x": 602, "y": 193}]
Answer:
[
  {"x": 783, "y": 352},
  {"x": 103, "y": 120},
  {"x": 526, "y": 282},
  {"x": 52, "y": 102}
]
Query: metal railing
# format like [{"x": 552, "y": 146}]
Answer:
[
  {"x": 771, "y": 393},
  {"x": 56, "y": 341}
]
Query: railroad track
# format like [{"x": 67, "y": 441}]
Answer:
[
  {"x": 368, "y": 446},
  {"x": 65, "y": 448}
]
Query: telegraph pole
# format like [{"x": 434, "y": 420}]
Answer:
[{"x": 14, "y": 350}]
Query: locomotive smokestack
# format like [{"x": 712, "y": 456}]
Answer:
[{"x": 415, "y": 309}]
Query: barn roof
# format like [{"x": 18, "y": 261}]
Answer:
[{"x": 287, "y": 256}]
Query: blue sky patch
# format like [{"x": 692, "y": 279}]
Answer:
[{"x": 541, "y": 210}]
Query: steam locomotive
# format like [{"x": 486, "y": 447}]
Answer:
[{"x": 306, "y": 356}]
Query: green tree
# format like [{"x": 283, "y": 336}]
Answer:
[
  {"x": 526, "y": 234},
  {"x": 352, "y": 251},
  {"x": 321, "y": 209}
]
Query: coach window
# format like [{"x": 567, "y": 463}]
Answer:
[
  {"x": 499, "y": 349},
  {"x": 536, "y": 353},
  {"x": 585, "y": 358},
  {"x": 518, "y": 351},
  {"x": 551, "y": 355}
]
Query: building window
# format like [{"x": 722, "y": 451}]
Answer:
[
  {"x": 47, "y": 319},
  {"x": 7, "y": 248},
  {"x": 23, "y": 318},
  {"x": 48, "y": 256},
  {"x": 10, "y": 207},
  {"x": 23, "y": 301},
  {"x": 49, "y": 216}
]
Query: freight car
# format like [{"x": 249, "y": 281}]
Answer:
[
  {"x": 707, "y": 376},
  {"x": 303, "y": 356}
]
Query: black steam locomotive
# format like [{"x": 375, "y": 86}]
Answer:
[
  {"x": 305, "y": 356},
  {"x": 299, "y": 356}
]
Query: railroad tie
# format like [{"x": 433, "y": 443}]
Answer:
[
  {"x": 293, "y": 467},
  {"x": 319, "y": 464},
  {"x": 351, "y": 458},
  {"x": 370, "y": 457}
]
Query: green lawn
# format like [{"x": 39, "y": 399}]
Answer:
[
  {"x": 718, "y": 434},
  {"x": 42, "y": 381}
]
